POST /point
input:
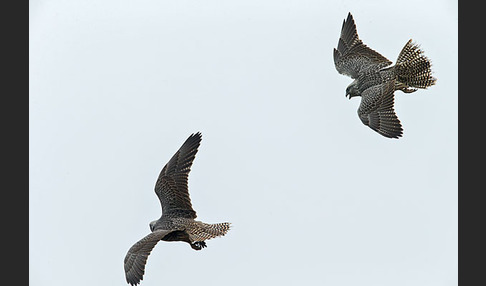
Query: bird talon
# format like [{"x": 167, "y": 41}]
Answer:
[{"x": 198, "y": 245}]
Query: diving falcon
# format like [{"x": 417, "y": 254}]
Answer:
[{"x": 375, "y": 80}]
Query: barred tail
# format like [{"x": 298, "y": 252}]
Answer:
[
  {"x": 207, "y": 231},
  {"x": 413, "y": 67}
]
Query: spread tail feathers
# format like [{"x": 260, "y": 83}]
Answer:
[
  {"x": 413, "y": 67},
  {"x": 217, "y": 229},
  {"x": 207, "y": 231}
]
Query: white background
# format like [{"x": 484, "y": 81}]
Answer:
[{"x": 315, "y": 197}]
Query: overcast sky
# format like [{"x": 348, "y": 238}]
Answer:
[{"x": 314, "y": 196}]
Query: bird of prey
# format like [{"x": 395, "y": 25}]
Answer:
[
  {"x": 375, "y": 80},
  {"x": 177, "y": 222}
]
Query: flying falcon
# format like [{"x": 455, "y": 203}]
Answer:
[
  {"x": 376, "y": 81},
  {"x": 177, "y": 222}
]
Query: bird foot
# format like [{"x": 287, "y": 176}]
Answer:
[{"x": 198, "y": 245}]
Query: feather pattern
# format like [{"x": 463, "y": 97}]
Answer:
[
  {"x": 137, "y": 255},
  {"x": 352, "y": 56},
  {"x": 171, "y": 186},
  {"x": 376, "y": 110}
]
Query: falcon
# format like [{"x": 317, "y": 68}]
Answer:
[
  {"x": 177, "y": 222},
  {"x": 375, "y": 80}
]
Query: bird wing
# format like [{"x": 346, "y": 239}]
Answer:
[
  {"x": 171, "y": 186},
  {"x": 376, "y": 110},
  {"x": 137, "y": 255},
  {"x": 351, "y": 55}
]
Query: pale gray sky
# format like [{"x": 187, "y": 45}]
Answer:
[{"x": 314, "y": 196}]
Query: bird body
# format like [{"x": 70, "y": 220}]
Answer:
[
  {"x": 371, "y": 76},
  {"x": 192, "y": 231},
  {"x": 376, "y": 80},
  {"x": 177, "y": 222}
]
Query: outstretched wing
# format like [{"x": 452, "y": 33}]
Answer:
[
  {"x": 137, "y": 255},
  {"x": 351, "y": 55},
  {"x": 376, "y": 110},
  {"x": 171, "y": 186}
]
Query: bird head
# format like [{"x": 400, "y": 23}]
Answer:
[
  {"x": 152, "y": 225},
  {"x": 352, "y": 90}
]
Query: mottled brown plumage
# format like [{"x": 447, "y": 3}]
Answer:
[
  {"x": 376, "y": 81},
  {"x": 177, "y": 221}
]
